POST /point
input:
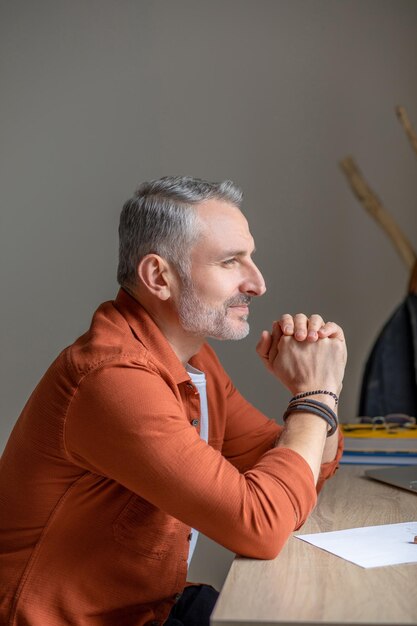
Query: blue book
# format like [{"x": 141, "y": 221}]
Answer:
[{"x": 378, "y": 458}]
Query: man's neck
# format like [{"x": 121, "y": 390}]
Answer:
[
  {"x": 184, "y": 347},
  {"x": 183, "y": 344}
]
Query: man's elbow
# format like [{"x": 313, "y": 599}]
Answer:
[{"x": 265, "y": 546}]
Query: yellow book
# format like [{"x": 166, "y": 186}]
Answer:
[
  {"x": 369, "y": 431},
  {"x": 373, "y": 439}
]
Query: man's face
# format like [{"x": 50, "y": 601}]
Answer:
[{"x": 214, "y": 300}]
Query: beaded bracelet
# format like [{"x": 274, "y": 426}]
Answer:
[
  {"x": 319, "y": 392},
  {"x": 317, "y": 408}
]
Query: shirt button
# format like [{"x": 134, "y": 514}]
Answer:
[
  {"x": 177, "y": 596},
  {"x": 194, "y": 422}
]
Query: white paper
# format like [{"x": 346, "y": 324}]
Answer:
[{"x": 371, "y": 546}]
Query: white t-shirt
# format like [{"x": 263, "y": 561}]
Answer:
[{"x": 199, "y": 380}]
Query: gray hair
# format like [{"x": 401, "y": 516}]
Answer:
[{"x": 161, "y": 218}]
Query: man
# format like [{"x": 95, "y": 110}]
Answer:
[{"x": 136, "y": 439}]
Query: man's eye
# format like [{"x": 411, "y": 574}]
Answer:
[{"x": 229, "y": 261}]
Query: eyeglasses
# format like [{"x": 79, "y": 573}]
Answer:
[{"x": 393, "y": 422}]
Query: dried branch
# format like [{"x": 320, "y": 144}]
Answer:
[
  {"x": 374, "y": 206},
  {"x": 406, "y": 124},
  {"x": 412, "y": 284}
]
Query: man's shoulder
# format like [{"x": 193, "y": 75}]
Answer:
[{"x": 109, "y": 340}]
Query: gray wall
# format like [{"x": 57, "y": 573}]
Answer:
[{"x": 98, "y": 95}]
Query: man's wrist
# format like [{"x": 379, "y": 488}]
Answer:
[
  {"x": 313, "y": 407},
  {"x": 301, "y": 427}
]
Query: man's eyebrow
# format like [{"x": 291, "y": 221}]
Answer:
[{"x": 232, "y": 253}]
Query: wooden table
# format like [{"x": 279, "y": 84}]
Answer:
[{"x": 306, "y": 585}]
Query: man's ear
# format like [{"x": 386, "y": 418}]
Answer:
[{"x": 156, "y": 275}]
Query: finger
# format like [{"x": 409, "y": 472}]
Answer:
[
  {"x": 264, "y": 344},
  {"x": 315, "y": 322},
  {"x": 286, "y": 323},
  {"x": 276, "y": 336},
  {"x": 300, "y": 326},
  {"x": 263, "y": 348},
  {"x": 332, "y": 331}
]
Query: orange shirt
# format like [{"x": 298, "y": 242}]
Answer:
[{"x": 105, "y": 473}]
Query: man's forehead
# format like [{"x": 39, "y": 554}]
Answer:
[
  {"x": 224, "y": 228},
  {"x": 214, "y": 212}
]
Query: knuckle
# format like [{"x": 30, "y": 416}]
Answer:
[
  {"x": 302, "y": 316},
  {"x": 316, "y": 318}
]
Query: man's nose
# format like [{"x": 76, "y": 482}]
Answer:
[{"x": 254, "y": 285}]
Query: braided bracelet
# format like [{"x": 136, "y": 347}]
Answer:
[
  {"x": 318, "y": 392},
  {"x": 322, "y": 411},
  {"x": 309, "y": 409},
  {"x": 317, "y": 408},
  {"x": 324, "y": 408}
]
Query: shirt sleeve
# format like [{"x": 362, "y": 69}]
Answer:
[
  {"x": 127, "y": 424},
  {"x": 249, "y": 434}
]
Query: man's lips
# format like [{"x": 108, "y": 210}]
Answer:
[
  {"x": 240, "y": 308},
  {"x": 240, "y": 304}
]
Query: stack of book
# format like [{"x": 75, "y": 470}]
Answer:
[{"x": 378, "y": 445}]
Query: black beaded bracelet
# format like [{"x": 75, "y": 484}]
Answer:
[
  {"x": 318, "y": 392},
  {"x": 317, "y": 408}
]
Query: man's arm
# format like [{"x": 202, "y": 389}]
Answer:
[{"x": 124, "y": 423}]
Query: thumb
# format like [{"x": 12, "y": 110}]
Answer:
[
  {"x": 332, "y": 331},
  {"x": 263, "y": 346}
]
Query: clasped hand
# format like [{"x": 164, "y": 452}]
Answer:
[{"x": 305, "y": 353}]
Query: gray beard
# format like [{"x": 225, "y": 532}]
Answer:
[{"x": 199, "y": 319}]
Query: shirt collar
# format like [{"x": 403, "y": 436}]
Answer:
[{"x": 149, "y": 334}]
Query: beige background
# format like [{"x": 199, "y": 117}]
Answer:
[{"x": 98, "y": 95}]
